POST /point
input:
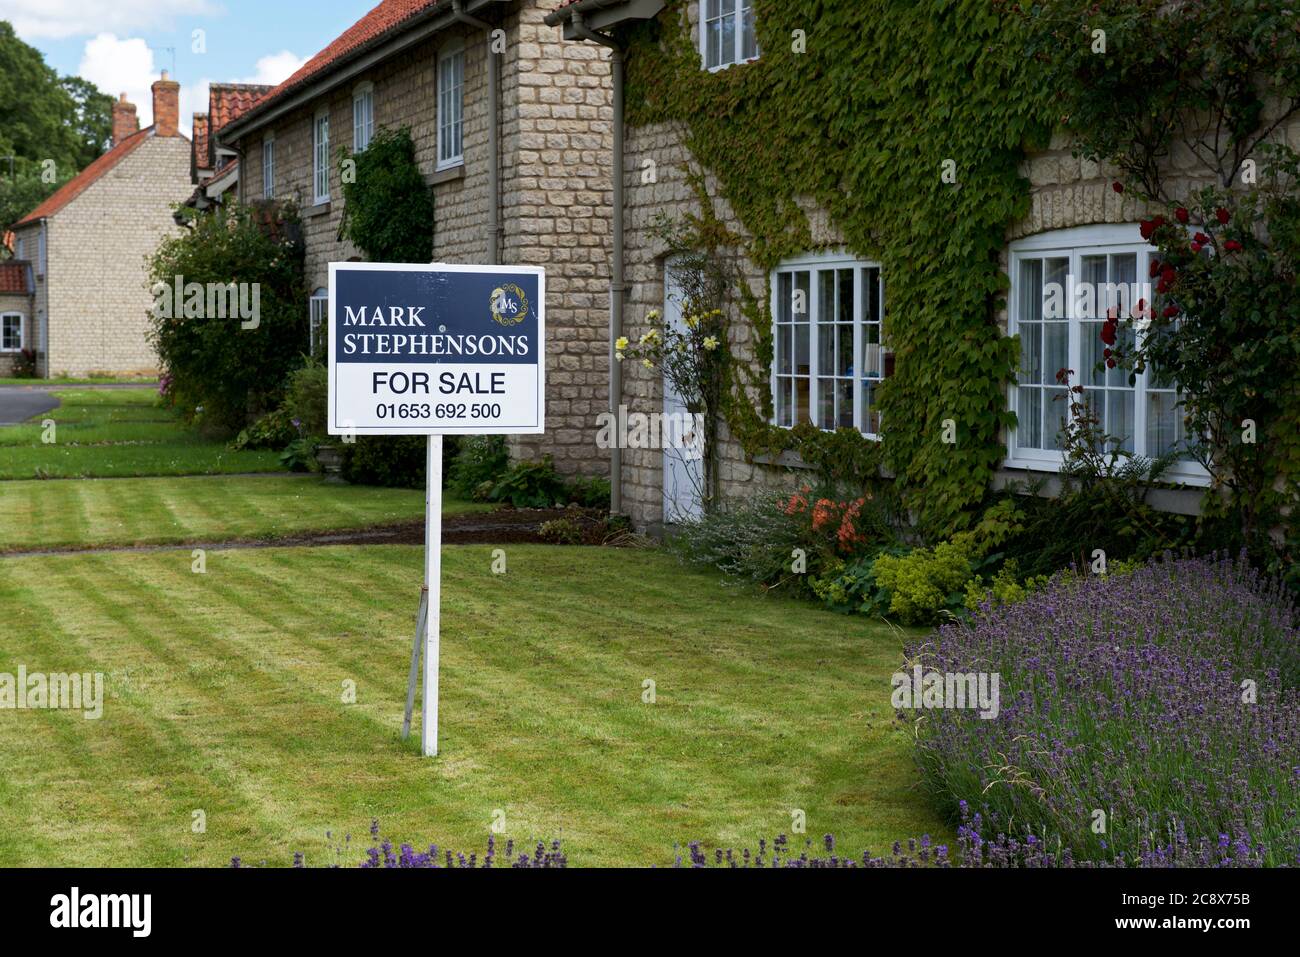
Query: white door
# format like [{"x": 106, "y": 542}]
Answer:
[{"x": 682, "y": 435}]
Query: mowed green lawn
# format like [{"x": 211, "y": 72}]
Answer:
[
  {"x": 151, "y": 511},
  {"x": 116, "y": 432},
  {"x": 225, "y": 694}
]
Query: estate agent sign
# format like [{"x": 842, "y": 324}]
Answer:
[{"x": 433, "y": 349}]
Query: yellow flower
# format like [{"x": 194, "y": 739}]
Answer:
[
  {"x": 652, "y": 315},
  {"x": 647, "y": 363},
  {"x": 711, "y": 343},
  {"x": 618, "y": 356},
  {"x": 620, "y": 343},
  {"x": 692, "y": 322},
  {"x": 650, "y": 336}
]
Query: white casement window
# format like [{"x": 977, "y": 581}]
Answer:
[
  {"x": 11, "y": 332},
  {"x": 829, "y": 357},
  {"x": 320, "y": 166},
  {"x": 318, "y": 311},
  {"x": 451, "y": 107},
  {"x": 268, "y": 167},
  {"x": 727, "y": 33},
  {"x": 1063, "y": 286},
  {"x": 363, "y": 116}
]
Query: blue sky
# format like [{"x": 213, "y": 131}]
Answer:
[{"x": 121, "y": 45}]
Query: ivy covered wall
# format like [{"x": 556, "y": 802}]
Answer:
[{"x": 841, "y": 132}]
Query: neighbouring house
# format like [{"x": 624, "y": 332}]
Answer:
[
  {"x": 214, "y": 169},
  {"x": 16, "y": 332},
  {"x": 512, "y": 132},
  {"x": 88, "y": 242},
  {"x": 828, "y": 305}
]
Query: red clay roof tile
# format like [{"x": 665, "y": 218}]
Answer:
[{"x": 13, "y": 277}]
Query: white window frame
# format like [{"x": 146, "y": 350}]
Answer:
[
  {"x": 813, "y": 264},
  {"x": 268, "y": 166},
  {"x": 363, "y": 116},
  {"x": 737, "y": 54},
  {"x": 450, "y": 98},
  {"x": 320, "y": 157},
  {"x": 4, "y": 320},
  {"x": 318, "y": 311},
  {"x": 1074, "y": 244}
]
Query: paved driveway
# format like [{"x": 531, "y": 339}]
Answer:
[{"x": 18, "y": 403}]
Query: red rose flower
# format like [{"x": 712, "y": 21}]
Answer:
[
  {"x": 1223, "y": 215},
  {"x": 1110, "y": 363},
  {"x": 1155, "y": 268},
  {"x": 1117, "y": 186},
  {"x": 1232, "y": 245},
  {"x": 1180, "y": 214},
  {"x": 1106, "y": 353},
  {"x": 1108, "y": 333},
  {"x": 1201, "y": 238},
  {"x": 1170, "y": 312},
  {"x": 1196, "y": 247},
  {"x": 1168, "y": 273}
]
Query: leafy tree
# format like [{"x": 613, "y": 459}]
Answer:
[{"x": 50, "y": 127}]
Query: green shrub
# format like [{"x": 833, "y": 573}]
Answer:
[
  {"x": 388, "y": 207},
  {"x": 927, "y": 582},
  {"x": 394, "y": 461},
  {"x": 590, "y": 492},
  {"x": 481, "y": 459},
  {"x": 231, "y": 369},
  {"x": 299, "y": 455},
  {"x": 751, "y": 540},
  {"x": 274, "y": 430},
  {"x": 306, "y": 399},
  {"x": 530, "y": 485}
]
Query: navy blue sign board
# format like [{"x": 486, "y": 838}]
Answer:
[
  {"x": 436, "y": 349},
  {"x": 432, "y": 349}
]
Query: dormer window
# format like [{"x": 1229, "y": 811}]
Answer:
[{"x": 727, "y": 34}]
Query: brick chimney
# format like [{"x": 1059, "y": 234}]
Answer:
[
  {"x": 166, "y": 106},
  {"x": 125, "y": 122}
]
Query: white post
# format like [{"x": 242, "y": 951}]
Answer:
[{"x": 433, "y": 582}]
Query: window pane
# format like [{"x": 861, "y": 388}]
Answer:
[
  {"x": 826, "y": 312},
  {"x": 825, "y": 404},
  {"x": 748, "y": 33},
  {"x": 844, "y": 404},
  {"x": 784, "y": 288},
  {"x": 1031, "y": 352},
  {"x": 1056, "y": 350},
  {"x": 1090, "y": 299},
  {"x": 783, "y": 411},
  {"x": 844, "y": 350},
  {"x": 802, "y": 409},
  {"x": 870, "y": 414},
  {"x": 1163, "y": 424},
  {"x": 1029, "y": 413},
  {"x": 1031, "y": 290},
  {"x": 802, "y": 358},
  {"x": 784, "y": 337},
  {"x": 1119, "y": 417},
  {"x": 728, "y": 31}
]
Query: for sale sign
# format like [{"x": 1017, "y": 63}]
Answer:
[{"x": 436, "y": 349}]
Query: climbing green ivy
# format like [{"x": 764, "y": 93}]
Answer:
[{"x": 858, "y": 106}]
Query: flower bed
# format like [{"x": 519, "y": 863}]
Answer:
[{"x": 1149, "y": 717}]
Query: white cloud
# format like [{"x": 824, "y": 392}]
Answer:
[
  {"x": 121, "y": 66},
  {"x": 60, "y": 19},
  {"x": 275, "y": 68}
]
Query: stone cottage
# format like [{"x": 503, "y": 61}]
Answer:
[
  {"x": 88, "y": 242},
  {"x": 826, "y": 372},
  {"x": 512, "y": 132},
  {"x": 214, "y": 170}
]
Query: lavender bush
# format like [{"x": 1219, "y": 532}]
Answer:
[
  {"x": 1126, "y": 696},
  {"x": 382, "y": 854}
]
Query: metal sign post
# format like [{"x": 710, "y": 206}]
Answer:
[{"x": 434, "y": 350}]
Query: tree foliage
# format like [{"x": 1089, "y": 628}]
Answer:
[{"x": 50, "y": 126}]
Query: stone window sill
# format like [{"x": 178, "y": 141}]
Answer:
[
  {"x": 446, "y": 175},
  {"x": 320, "y": 209}
]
